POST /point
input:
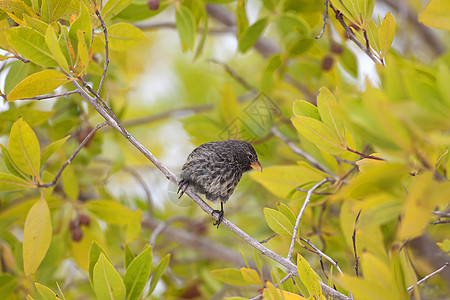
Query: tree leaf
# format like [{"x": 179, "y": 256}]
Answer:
[
  {"x": 16, "y": 10},
  {"x": 94, "y": 254},
  {"x": 229, "y": 276},
  {"x": 52, "y": 10},
  {"x": 133, "y": 227},
  {"x": 128, "y": 255},
  {"x": 287, "y": 211},
  {"x": 250, "y": 276},
  {"x": 52, "y": 148},
  {"x": 9, "y": 182},
  {"x": 249, "y": 37},
  {"x": 52, "y": 43},
  {"x": 158, "y": 272},
  {"x": 113, "y": 7},
  {"x": 31, "y": 45},
  {"x": 326, "y": 104},
  {"x": 278, "y": 222},
  {"x": 39, "y": 83},
  {"x": 37, "y": 236},
  {"x": 123, "y": 36},
  {"x": 308, "y": 277},
  {"x": 110, "y": 211},
  {"x": 45, "y": 292},
  {"x": 186, "y": 26},
  {"x": 436, "y": 14},
  {"x": 319, "y": 134},
  {"x": 10, "y": 165},
  {"x": 70, "y": 183},
  {"x": 83, "y": 23},
  {"x": 138, "y": 273},
  {"x": 8, "y": 284},
  {"x": 107, "y": 282},
  {"x": 23, "y": 148},
  {"x": 386, "y": 34}
]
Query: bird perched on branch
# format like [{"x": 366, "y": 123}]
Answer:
[{"x": 215, "y": 168}]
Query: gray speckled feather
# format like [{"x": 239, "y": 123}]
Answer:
[{"x": 214, "y": 169}]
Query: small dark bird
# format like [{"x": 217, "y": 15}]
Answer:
[{"x": 215, "y": 168}]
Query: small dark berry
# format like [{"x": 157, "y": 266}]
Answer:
[
  {"x": 153, "y": 4},
  {"x": 77, "y": 235},
  {"x": 336, "y": 48},
  {"x": 83, "y": 134},
  {"x": 84, "y": 220},
  {"x": 327, "y": 63},
  {"x": 73, "y": 224}
]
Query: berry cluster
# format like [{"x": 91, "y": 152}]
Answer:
[{"x": 75, "y": 224}]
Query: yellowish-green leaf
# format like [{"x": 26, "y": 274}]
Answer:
[
  {"x": 45, "y": 292},
  {"x": 31, "y": 45},
  {"x": 272, "y": 293},
  {"x": 228, "y": 105},
  {"x": 282, "y": 180},
  {"x": 186, "y": 25},
  {"x": 357, "y": 11},
  {"x": 305, "y": 108},
  {"x": 108, "y": 284},
  {"x": 110, "y": 211},
  {"x": 386, "y": 34},
  {"x": 308, "y": 277},
  {"x": 37, "y": 236},
  {"x": 113, "y": 7},
  {"x": 82, "y": 50},
  {"x": 39, "y": 83},
  {"x": 250, "y": 276},
  {"x": 9, "y": 182},
  {"x": 158, "y": 272},
  {"x": 52, "y": 148},
  {"x": 229, "y": 276},
  {"x": 10, "y": 165},
  {"x": 278, "y": 222},
  {"x": 52, "y": 10},
  {"x": 326, "y": 104},
  {"x": 249, "y": 37},
  {"x": 70, "y": 183},
  {"x": 138, "y": 273},
  {"x": 319, "y": 134},
  {"x": 123, "y": 36},
  {"x": 436, "y": 14},
  {"x": 52, "y": 42},
  {"x": 366, "y": 164},
  {"x": 445, "y": 245},
  {"x": 133, "y": 227},
  {"x": 287, "y": 211},
  {"x": 83, "y": 23},
  {"x": 94, "y": 254},
  {"x": 16, "y": 9},
  {"x": 23, "y": 148},
  {"x": 36, "y": 24}
]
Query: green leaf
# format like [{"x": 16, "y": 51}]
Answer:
[
  {"x": 123, "y": 36},
  {"x": 23, "y": 148},
  {"x": 45, "y": 292},
  {"x": 70, "y": 183},
  {"x": 287, "y": 211},
  {"x": 386, "y": 33},
  {"x": 36, "y": 24},
  {"x": 94, "y": 254},
  {"x": 48, "y": 151},
  {"x": 16, "y": 10},
  {"x": 158, "y": 272},
  {"x": 305, "y": 108},
  {"x": 250, "y": 276},
  {"x": 52, "y": 10},
  {"x": 138, "y": 273},
  {"x": 308, "y": 277},
  {"x": 10, "y": 165},
  {"x": 326, "y": 104},
  {"x": 128, "y": 255},
  {"x": 319, "y": 134},
  {"x": 110, "y": 211},
  {"x": 349, "y": 62},
  {"x": 113, "y": 7},
  {"x": 83, "y": 23},
  {"x": 37, "y": 236},
  {"x": 60, "y": 293},
  {"x": 133, "y": 227},
  {"x": 436, "y": 14},
  {"x": 241, "y": 17},
  {"x": 186, "y": 25},
  {"x": 52, "y": 43},
  {"x": 358, "y": 11},
  {"x": 282, "y": 180},
  {"x": 9, "y": 182},
  {"x": 83, "y": 51},
  {"x": 31, "y": 45},
  {"x": 8, "y": 284},
  {"x": 278, "y": 222},
  {"x": 39, "y": 83},
  {"x": 107, "y": 282},
  {"x": 249, "y": 37},
  {"x": 229, "y": 276}
]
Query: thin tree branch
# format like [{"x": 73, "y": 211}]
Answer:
[
  {"x": 311, "y": 160},
  {"x": 409, "y": 289},
  {"x": 105, "y": 65},
  {"x": 354, "y": 245},
  {"x": 315, "y": 193},
  {"x": 325, "y": 20},
  {"x": 300, "y": 214},
  {"x": 269, "y": 238},
  {"x": 68, "y": 161},
  {"x": 365, "y": 155},
  {"x": 440, "y": 222},
  {"x": 442, "y": 214},
  {"x": 49, "y": 96},
  {"x": 234, "y": 75}
]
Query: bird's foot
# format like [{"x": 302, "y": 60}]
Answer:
[
  {"x": 182, "y": 186},
  {"x": 220, "y": 217}
]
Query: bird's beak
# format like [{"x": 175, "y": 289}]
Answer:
[{"x": 256, "y": 165}]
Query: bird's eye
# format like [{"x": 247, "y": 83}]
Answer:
[{"x": 250, "y": 156}]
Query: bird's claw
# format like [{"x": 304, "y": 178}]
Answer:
[
  {"x": 219, "y": 218},
  {"x": 182, "y": 186}
]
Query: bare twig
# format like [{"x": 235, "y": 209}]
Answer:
[
  {"x": 365, "y": 155},
  {"x": 354, "y": 245},
  {"x": 321, "y": 254},
  {"x": 49, "y": 96},
  {"x": 315, "y": 193},
  {"x": 409, "y": 289},
  {"x": 300, "y": 214},
  {"x": 325, "y": 20},
  {"x": 442, "y": 214},
  {"x": 440, "y": 222},
  {"x": 311, "y": 160},
  {"x": 269, "y": 238},
  {"x": 68, "y": 161},
  {"x": 105, "y": 66}
]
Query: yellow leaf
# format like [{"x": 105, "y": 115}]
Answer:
[
  {"x": 366, "y": 164},
  {"x": 37, "y": 236},
  {"x": 386, "y": 34},
  {"x": 278, "y": 222},
  {"x": 123, "y": 36},
  {"x": 230, "y": 276},
  {"x": 308, "y": 277},
  {"x": 436, "y": 14},
  {"x": 52, "y": 43},
  {"x": 250, "y": 276},
  {"x": 326, "y": 104},
  {"x": 272, "y": 293},
  {"x": 39, "y": 83}
]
